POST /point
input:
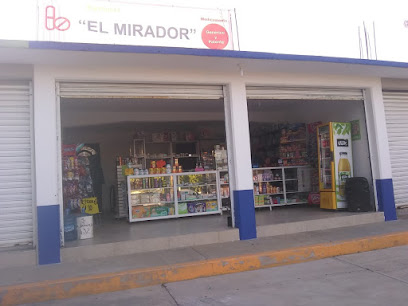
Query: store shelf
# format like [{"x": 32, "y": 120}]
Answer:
[
  {"x": 225, "y": 197},
  {"x": 157, "y": 142},
  {"x": 164, "y": 157},
  {"x": 294, "y": 176},
  {"x": 201, "y": 185},
  {"x": 262, "y": 206},
  {"x": 156, "y": 203},
  {"x": 153, "y": 218},
  {"x": 224, "y": 183},
  {"x": 262, "y": 194},
  {"x": 293, "y": 157},
  {"x": 196, "y": 200},
  {"x": 190, "y": 156},
  {"x": 268, "y": 181},
  {"x": 292, "y": 141},
  {"x": 137, "y": 191}
]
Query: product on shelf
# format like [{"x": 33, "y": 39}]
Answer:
[
  {"x": 211, "y": 206},
  {"x": 293, "y": 149},
  {"x": 182, "y": 208},
  {"x": 140, "y": 212},
  {"x": 159, "y": 211},
  {"x": 220, "y": 155}
]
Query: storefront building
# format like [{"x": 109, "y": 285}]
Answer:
[{"x": 41, "y": 83}]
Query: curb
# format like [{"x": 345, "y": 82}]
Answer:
[{"x": 101, "y": 283}]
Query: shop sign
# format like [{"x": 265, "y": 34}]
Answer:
[
  {"x": 106, "y": 22},
  {"x": 90, "y": 206}
]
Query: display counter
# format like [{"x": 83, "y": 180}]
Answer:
[{"x": 175, "y": 195}]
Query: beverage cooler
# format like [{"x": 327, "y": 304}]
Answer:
[{"x": 335, "y": 163}]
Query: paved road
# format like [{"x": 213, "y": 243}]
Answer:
[{"x": 372, "y": 278}]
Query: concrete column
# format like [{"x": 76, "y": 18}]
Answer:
[
  {"x": 380, "y": 153},
  {"x": 240, "y": 160},
  {"x": 46, "y": 167}
]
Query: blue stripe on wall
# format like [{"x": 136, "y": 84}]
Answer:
[
  {"x": 385, "y": 196},
  {"x": 49, "y": 242},
  {"x": 207, "y": 52},
  {"x": 244, "y": 211}
]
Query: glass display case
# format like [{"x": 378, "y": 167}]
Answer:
[
  {"x": 279, "y": 186},
  {"x": 163, "y": 196}
]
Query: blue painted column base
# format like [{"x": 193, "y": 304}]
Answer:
[
  {"x": 244, "y": 211},
  {"x": 386, "y": 201},
  {"x": 49, "y": 243}
]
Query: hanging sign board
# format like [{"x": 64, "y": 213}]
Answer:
[{"x": 109, "y": 22}]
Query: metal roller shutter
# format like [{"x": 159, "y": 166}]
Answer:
[
  {"x": 16, "y": 195},
  {"x": 303, "y": 93},
  {"x": 396, "y": 115},
  {"x": 125, "y": 90}
]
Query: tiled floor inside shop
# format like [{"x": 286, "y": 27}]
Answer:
[{"x": 109, "y": 229}]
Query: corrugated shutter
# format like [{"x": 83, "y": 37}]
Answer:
[
  {"x": 16, "y": 195},
  {"x": 396, "y": 115},
  {"x": 120, "y": 90},
  {"x": 303, "y": 93}
]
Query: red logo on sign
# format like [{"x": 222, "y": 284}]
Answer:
[
  {"x": 215, "y": 36},
  {"x": 52, "y": 23}
]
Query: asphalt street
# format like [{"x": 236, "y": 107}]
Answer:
[{"x": 371, "y": 278}]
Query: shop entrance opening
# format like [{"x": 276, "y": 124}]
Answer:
[
  {"x": 144, "y": 168},
  {"x": 303, "y": 152}
]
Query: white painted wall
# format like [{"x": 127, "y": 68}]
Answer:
[
  {"x": 394, "y": 84},
  {"x": 16, "y": 72}
]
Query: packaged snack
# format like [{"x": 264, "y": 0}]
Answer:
[
  {"x": 144, "y": 198},
  {"x": 200, "y": 207},
  {"x": 182, "y": 208},
  {"x": 211, "y": 206},
  {"x": 159, "y": 211},
  {"x": 191, "y": 208},
  {"x": 155, "y": 198},
  {"x": 135, "y": 198},
  {"x": 139, "y": 212}
]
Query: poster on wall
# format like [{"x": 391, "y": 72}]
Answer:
[{"x": 106, "y": 22}]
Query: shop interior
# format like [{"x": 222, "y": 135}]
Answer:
[
  {"x": 135, "y": 168},
  {"x": 286, "y": 154}
]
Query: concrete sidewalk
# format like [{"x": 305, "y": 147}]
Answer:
[
  {"x": 40, "y": 283},
  {"x": 373, "y": 278}
]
